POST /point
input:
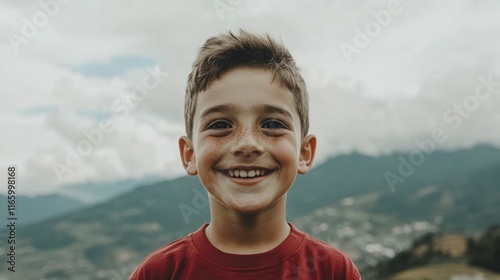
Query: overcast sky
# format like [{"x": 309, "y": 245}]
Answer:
[{"x": 381, "y": 75}]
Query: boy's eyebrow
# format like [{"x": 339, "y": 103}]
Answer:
[
  {"x": 265, "y": 108},
  {"x": 224, "y": 108},
  {"x": 270, "y": 109}
]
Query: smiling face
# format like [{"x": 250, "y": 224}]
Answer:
[{"x": 246, "y": 147}]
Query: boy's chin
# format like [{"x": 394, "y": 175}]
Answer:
[
  {"x": 252, "y": 209},
  {"x": 249, "y": 211},
  {"x": 244, "y": 210}
]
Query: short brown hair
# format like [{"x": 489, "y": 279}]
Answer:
[{"x": 227, "y": 51}]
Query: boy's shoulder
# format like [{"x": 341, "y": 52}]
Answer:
[
  {"x": 300, "y": 255},
  {"x": 316, "y": 245},
  {"x": 164, "y": 260},
  {"x": 172, "y": 250},
  {"x": 330, "y": 260}
]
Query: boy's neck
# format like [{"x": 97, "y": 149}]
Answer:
[{"x": 236, "y": 233}]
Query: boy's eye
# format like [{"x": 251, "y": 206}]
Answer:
[
  {"x": 273, "y": 124},
  {"x": 219, "y": 124}
]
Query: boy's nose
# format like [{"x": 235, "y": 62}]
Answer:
[{"x": 247, "y": 144}]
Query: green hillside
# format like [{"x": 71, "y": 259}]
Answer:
[
  {"x": 39, "y": 208},
  {"x": 444, "y": 256},
  {"x": 452, "y": 270}
]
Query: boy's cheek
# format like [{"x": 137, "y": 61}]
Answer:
[
  {"x": 285, "y": 149},
  {"x": 206, "y": 153}
]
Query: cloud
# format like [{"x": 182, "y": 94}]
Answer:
[
  {"x": 393, "y": 92},
  {"x": 117, "y": 66}
]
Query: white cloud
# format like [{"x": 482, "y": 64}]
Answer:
[{"x": 392, "y": 93}]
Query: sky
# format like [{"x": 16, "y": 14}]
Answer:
[{"x": 93, "y": 90}]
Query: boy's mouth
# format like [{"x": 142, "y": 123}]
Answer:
[{"x": 247, "y": 173}]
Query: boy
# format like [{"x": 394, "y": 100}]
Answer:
[{"x": 246, "y": 116}]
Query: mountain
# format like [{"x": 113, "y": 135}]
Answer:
[
  {"x": 346, "y": 201},
  {"x": 33, "y": 209},
  {"x": 95, "y": 192},
  {"x": 39, "y": 208},
  {"x": 464, "y": 181}
]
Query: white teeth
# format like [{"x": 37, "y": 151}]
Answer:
[{"x": 246, "y": 173}]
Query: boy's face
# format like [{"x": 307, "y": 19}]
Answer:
[{"x": 246, "y": 146}]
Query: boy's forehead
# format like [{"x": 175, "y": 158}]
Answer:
[
  {"x": 244, "y": 86},
  {"x": 246, "y": 89},
  {"x": 258, "y": 75}
]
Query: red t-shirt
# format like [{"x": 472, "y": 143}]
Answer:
[{"x": 298, "y": 257}]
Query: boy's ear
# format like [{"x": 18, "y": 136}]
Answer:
[
  {"x": 307, "y": 152},
  {"x": 187, "y": 155}
]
